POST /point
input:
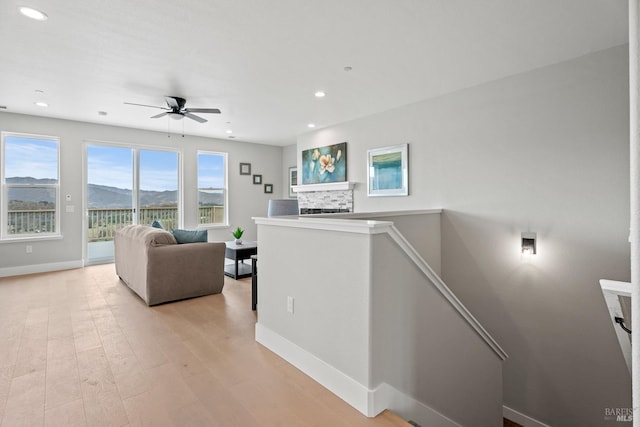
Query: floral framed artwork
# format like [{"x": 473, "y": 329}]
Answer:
[
  {"x": 268, "y": 188},
  {"x": 257, "y": 179},
  {"x": 293, "y": 180},
  {"x": 325, "y": 164},
  {"x": 245, "y": 168},
  {"x": 388, "y": 171}
]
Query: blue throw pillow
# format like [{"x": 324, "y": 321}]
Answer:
[
  {"x": 190, "y": 236},
  {"x": 157, "y": 224}
]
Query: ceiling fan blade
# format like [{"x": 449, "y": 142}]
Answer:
[
  {"x": 157, "y": 116},
  {"x": 144, "y": 105},
  {"x": 202, "y": 110},
  {"x": 196, "y": 118}
]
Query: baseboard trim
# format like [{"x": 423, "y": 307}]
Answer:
[
  {"x": 366, "y": 401},
  {"x": 520, "y": 418},
  {"x": 388, "y": 397},
  {"x": 40, "y": 268},
  {"x": 345, "y": 387}
]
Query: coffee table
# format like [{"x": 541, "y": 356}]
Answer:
[{"x": 239, "y": 270}]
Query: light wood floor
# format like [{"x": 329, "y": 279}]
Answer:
[{"x": 78, "y": 348}]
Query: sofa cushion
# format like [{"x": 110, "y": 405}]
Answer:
[
  {"x": 161, "y": 237},
  {"x": 190, "y": 236},
  {"x": 157, "y": 224}
]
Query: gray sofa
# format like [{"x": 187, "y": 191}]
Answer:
[{"x": 158, "y": 269}]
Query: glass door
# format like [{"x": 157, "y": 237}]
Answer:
[
  {"x": 128, "y": 186},
  {"x": 110, "y": 198}
]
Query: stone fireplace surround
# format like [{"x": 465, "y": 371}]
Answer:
[{"x": 325, "y": 198}]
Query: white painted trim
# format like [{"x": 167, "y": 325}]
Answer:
[
  {"x": 388, "y": 397},
  {"x": 612, "y": 290},
  {"x": 330, "y": 186},
  {"x": 520, "y": 418},
  {"x": 616, "y": 287},
  {"x": 345, "y": 387},
  {"x": 368, "y": 402},
  {"x": 634, "y": 199},
  {"x": 445, "y": 291},
  {"x": 33, "y": 238},
  {"x": 328, "y": 224},
  {"x": 40, "y": 268}
]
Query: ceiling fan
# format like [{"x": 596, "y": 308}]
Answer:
[{"x": 176, "y": 109}]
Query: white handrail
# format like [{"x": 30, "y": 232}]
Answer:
[
  {"x": 612, "y": 290},
  {"x": 410, "y": 251}
]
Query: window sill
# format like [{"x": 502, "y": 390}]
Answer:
[
  {"x": 32, "y": 238},
  {"x": 212, "y": 226}
]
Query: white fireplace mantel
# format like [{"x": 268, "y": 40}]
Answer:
[{"x": 330, "y": 186}]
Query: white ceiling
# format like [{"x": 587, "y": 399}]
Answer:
[{"x": 261, "y": 61}]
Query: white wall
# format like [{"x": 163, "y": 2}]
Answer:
[
  {"x": 545, "y": 151},
  {"x": 425, "y": 349},
  {"x": 331, "y": 300},
  {"x": 289, "y": 159},
  {"x": 245, "y": 199},
  {"x": 418, "y": 229},
  {"x": 380, "y": 336}
]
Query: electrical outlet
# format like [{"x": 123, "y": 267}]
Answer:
[
  {"x": 29, "y": 249},
  {"x": 290, "y": 305}
]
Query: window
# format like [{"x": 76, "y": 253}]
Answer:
[
  {"x": 212, "y": 188},
  {"x": 30, "y": 186}
]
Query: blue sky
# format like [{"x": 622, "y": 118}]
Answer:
[
  {"x": 37, "y": 158},
  {"x": 158, "y": 170},
  {"x": 113, "y": 166},
  {"x": 109, "y": 165},
  {"x": 210, "y": 171}
]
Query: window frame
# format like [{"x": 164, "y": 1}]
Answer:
[
  {"x": 225, "y": 189},
  {"x": 5, "y": 236},
  {"x": 135, "y": 166}
]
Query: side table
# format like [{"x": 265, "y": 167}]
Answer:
[{"x": 239, "y": 253}]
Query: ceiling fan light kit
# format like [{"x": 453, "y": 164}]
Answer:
[{"x": 177, "y": 111}]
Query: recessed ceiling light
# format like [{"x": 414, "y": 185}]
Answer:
[
  {"x": 311, "y": 125},
  {"x": 320, "y": 94},
  {"x": 32, "y": 13},
  {"x": 41, "y": 104},
  {"x": 229, "y": 131},
  {"x": 102, "y": 113}
]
